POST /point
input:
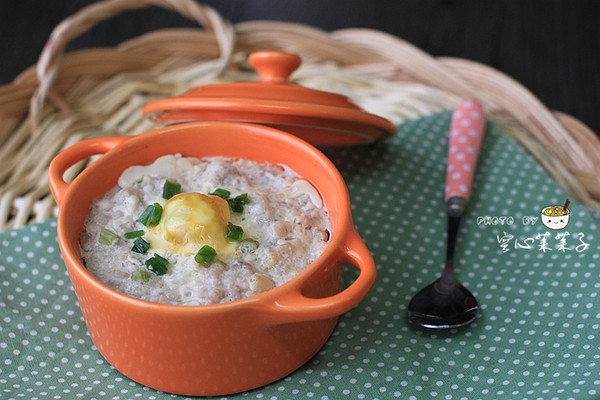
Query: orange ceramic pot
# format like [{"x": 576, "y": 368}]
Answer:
[{"x": 223, "y": 348}]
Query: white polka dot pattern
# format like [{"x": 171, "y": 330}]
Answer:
[
  {"x": 536, "y": 337},
  {"x": 466, "y": 134}
]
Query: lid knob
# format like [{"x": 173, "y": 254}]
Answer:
[{"x": 274, "y": 66}]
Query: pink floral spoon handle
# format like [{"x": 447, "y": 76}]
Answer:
[{"x": 466, "y": 134}]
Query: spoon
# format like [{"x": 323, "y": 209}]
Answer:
[{"x": 446, "y": 303}]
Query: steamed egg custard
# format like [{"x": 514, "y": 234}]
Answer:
[
  {"x": 189, "y": 221},
  {"x": 199, "y": 231}
]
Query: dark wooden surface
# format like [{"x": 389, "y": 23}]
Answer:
[{"x": 550, "y": 46}]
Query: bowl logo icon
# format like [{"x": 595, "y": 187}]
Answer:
[{"x": 556, "y": 217}]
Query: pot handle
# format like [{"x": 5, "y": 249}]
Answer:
[
  {"x": 296, "y": 307},
  {"x": 72, "y": 155}
]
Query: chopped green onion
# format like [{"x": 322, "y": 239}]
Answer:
[
  {"x": 141, "y": 275},
  {"x": 222, "y": 193},
  {"x": 107, "y": 237},
  {"x": 237, "y": 203},
  {"x": 156, "y": 214},
  {"x": 205, "y": 255},
  {"x": 170, "y": 189},
  {"x": 145, "y": 217},
  {"x": 140, "y": 246},
  {"x": 248, "y": 246},
  {"x": 133, "y": 235},
  {"x": 234, "y": 232},
  {"x": 157, "y": 264},
  {"x": 151, "y": 215}
]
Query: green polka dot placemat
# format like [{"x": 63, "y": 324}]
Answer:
[{"x": 537, "y": 336}]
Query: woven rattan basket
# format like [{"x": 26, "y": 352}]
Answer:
[{"x": 100, "y": 92}]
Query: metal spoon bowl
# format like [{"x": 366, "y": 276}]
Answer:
[
  {"x": 452, "y": 310},
  {"x": 445, "y": 303}
]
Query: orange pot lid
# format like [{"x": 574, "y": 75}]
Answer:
[{"x": 319, "y": 117}]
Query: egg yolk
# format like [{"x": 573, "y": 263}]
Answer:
[{"x": 191, "y": 220}]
